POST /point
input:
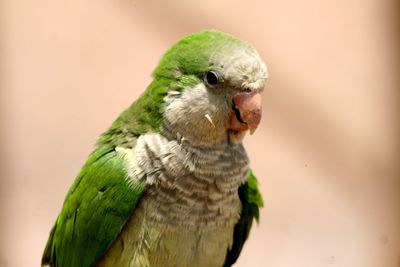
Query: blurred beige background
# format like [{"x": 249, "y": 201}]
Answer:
[{"x": 327, "y": 151}]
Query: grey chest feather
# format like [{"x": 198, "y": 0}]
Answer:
[{"x": 187, "y": 215}]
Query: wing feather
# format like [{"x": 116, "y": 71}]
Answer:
[
  {"x": 251, "y": 199},
  {"x": 95, "y": 210}
]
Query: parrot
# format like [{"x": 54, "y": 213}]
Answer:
[{"x": 169, "y": 183}]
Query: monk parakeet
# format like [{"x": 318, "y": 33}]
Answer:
[{"x": 169, "y": 184}]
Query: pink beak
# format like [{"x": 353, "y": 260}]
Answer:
[{"x": 246, "y": 112}]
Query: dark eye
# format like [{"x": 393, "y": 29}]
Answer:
[{"x": 212, "y": 78}]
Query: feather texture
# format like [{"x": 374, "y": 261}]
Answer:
[
  {"x": 94, "y": 212},
  {"x": 251, "y": 200},
  {"x": 168, "y": 160}
]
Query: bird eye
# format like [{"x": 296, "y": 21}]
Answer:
[{"x": 212, "y": 78}]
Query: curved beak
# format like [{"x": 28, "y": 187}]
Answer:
[{"x": 246, "y": 112}]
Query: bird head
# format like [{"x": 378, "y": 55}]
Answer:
[{"x": 214, "y": 85}]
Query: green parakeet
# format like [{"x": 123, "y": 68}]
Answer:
[{"x": 169, "y": 184}]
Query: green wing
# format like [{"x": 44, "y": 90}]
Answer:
[
  {"x": 251, "y": 200},
  {"x": 96, "y": 208}
]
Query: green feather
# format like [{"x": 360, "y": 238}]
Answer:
[
  {"x": 96, "y": 208},
  {"x": 100, "y": 199},
  {"x": 191, "y": 55},
  {"x": 180, "y": 68},
  {"x": 251, "y": 199},
  {"x": 144, "y": 115}
]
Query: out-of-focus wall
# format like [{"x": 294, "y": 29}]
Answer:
[{"x": 326, "y": 153}]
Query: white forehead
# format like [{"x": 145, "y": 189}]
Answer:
[{"x": 241, "y": 66}]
